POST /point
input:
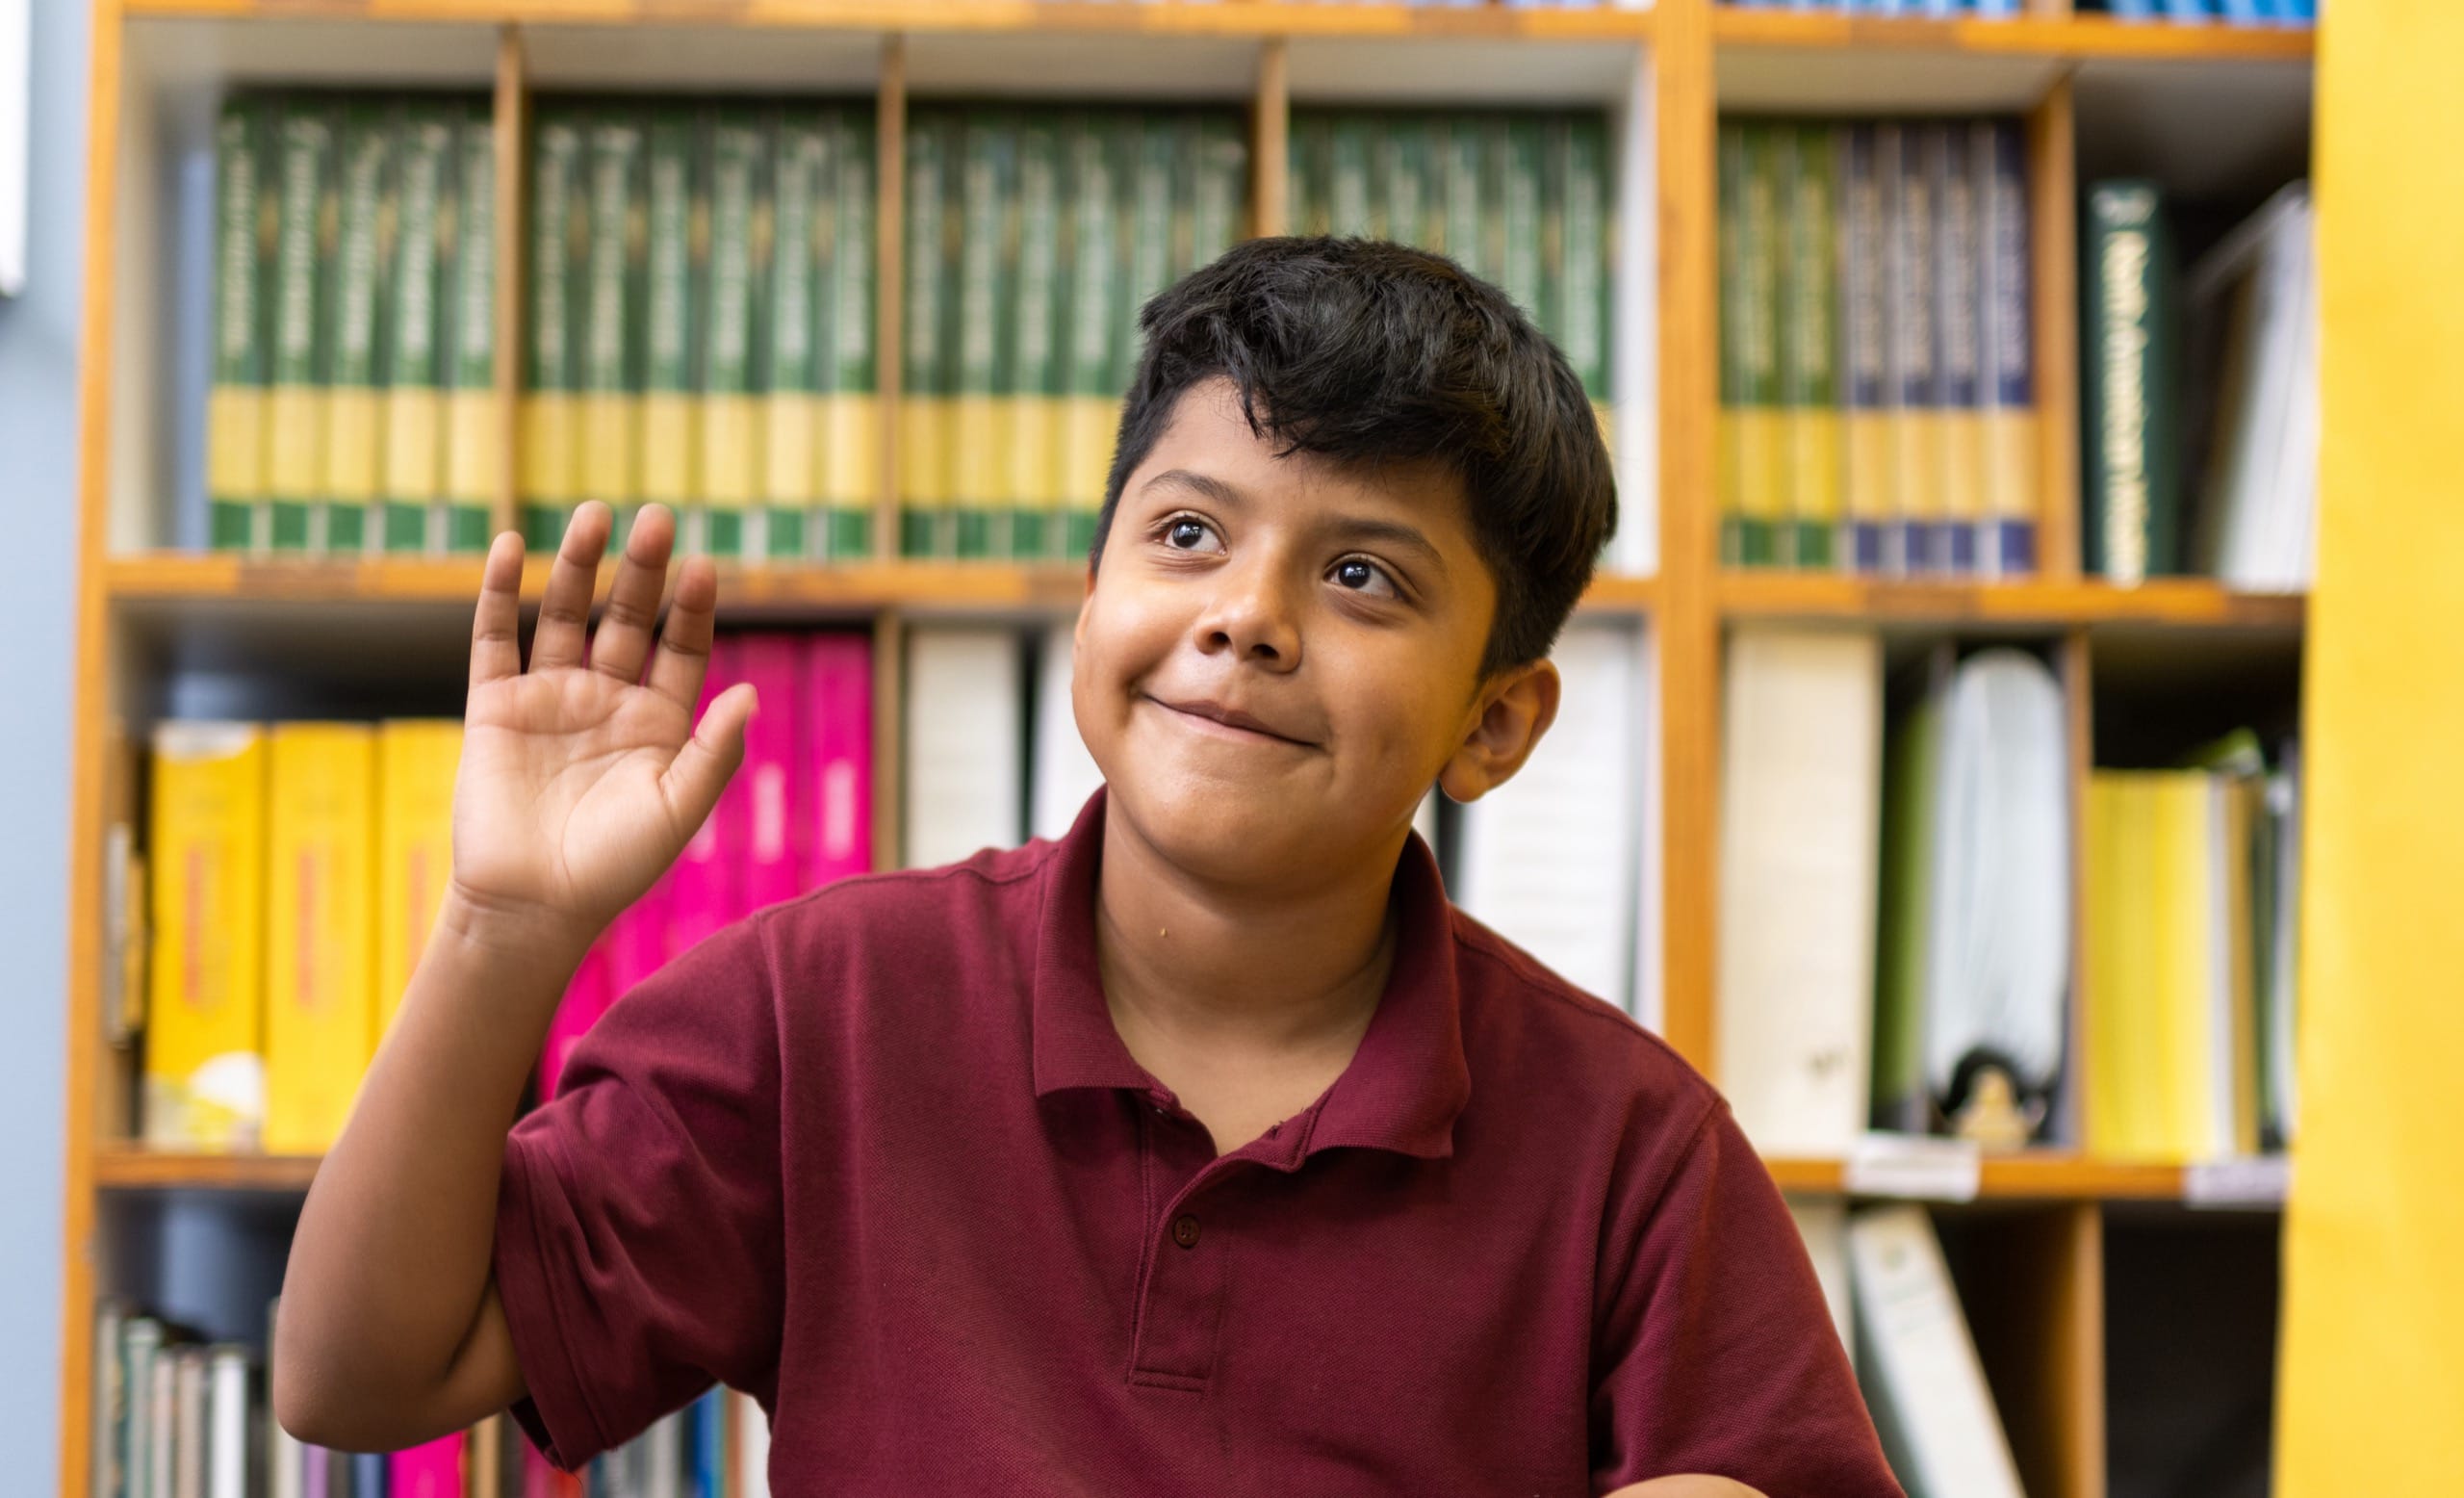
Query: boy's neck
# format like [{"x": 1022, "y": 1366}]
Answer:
[{"x": 1292, "y": 969}]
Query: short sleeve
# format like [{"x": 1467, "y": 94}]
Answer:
[
  {"x": 1714, "y": 1352},
  {"x": 639, "y": 1249}
]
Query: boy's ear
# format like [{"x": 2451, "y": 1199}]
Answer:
[{"x": 1514, "y": 709}]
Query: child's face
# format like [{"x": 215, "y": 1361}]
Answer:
[{"x": 1342, "y": 613}]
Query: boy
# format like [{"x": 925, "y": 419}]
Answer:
[{"x": 1207, "y": 1151}]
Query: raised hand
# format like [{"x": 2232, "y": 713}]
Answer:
[{"x": 581, "y": 781}]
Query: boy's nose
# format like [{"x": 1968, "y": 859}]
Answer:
[{"x": 1252, "y": 613}]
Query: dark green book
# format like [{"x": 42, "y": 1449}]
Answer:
[
  {"x": 671, "y": 402},
  {"x": 802, "y": 173},
  {"x": 926, "y": 526},
  {"x": 1348, "y": 142},
  {"x": 1093, "y": 271},
  {"x": 1150, "y": 235},
  {"x": 852, "y": 429},
  {"x": 413, "y": 483},
  {"x": 2129, "y": 363},
  {"x": 1306, "y": 149},
  {"x": 1810, "y": 346},
  {"x": 1221, "y": 177},
  {"x": 1516, "y": 142},
  {"x": 987, "y": 192},
  {"x": 473, "y": 431},
  {"x": 550, "y": 434},
  {"x": 350, "y": 300},
  {"x": 615, "y": 258},
  {"x": 729, "y": 318},
  {"x": 296, "y": 422},
  {"x": 245, "y": 214},
  {"x": 1032, "y": 370}
]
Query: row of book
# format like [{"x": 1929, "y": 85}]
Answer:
[
  {"x": 176, "y": 1415},
  {"x": 353, "y": 310},
  {"x": 1877, "y": 388},
  {"x": 701, "y": 321},
  {"x": 1033, "y": 237},
  {"x": 797, "y": 815},
  {"x": 2239, "y": 13},
  {"x": 2199, "y": 392},
  {"x": 1922, "y": 862}
]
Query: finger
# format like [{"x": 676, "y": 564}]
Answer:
[
  {"x": 701, "y": 768},
  {"x": 564, "y": 609},
  {"x": 496, "y": 627},
  {"x": 623, "y": 635},
  {"x": 683, "y": 654}
]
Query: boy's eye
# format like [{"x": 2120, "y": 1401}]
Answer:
[
  {"x": 1186, "y": 534},
  {"x": 1363, "y": 576}
]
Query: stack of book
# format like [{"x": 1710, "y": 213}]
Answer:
[
  {"x": 353, "y": 344},
  {"x": 700, "y": 316},
  {"x": 294, "y": 871},
  {"x": 2199, "y": 396},
  {"x": 176, "y": 1413},
  {"x": 1517, "y": 198},
  {"x": 1877, "y": 391},
  {"x": 1034, "y": 236},
  {"x": 2190, "y": 882},
  {"x": 796, "y": 816}
]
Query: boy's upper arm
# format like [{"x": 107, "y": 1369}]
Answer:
[
  {"x": 639, "y": 1248},
  {"x": 1714, "y": 1351}
]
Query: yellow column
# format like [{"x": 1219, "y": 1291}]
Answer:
[{"x": 2371, "y": 1376}]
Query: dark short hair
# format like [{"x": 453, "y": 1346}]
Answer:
[{"x": 1367, "y": 351}]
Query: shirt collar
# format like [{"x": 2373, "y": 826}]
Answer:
[{"x": 1405, "y": 1084}]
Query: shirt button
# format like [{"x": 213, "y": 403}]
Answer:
[{"x": 1185, "y": 1230}]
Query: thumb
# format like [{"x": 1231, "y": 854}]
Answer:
[{"x": 701, "y": 768}]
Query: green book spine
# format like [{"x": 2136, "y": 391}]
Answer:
[
  {"x": 851, "y": 440},
  {"x": 1730, "y": 153},
  {"x": 1220, "y": 179},
  {"x": 245, "y": 210},
  {"x": 1904, "y": 900},
  {"x": 295, "y": 420},
  {"x": 1034, "y": 373},
  {"x": 1908, "y": 198},
  {"x": 550, "y": 438},
  {"x": 1519, "y": 180},
  {"x": 924, "y": 469},
  {"x": 760, "y": 228},
  {"x": 1761, "y": 449},
  {"x": 352, "y": 298},
  {"x": 473, "y": 435},
  {"x": 1584, "y": 273},
  {"x": 987, "y": 168},
  {"x": 1305, "y": 152},
  {"x": 1959, "y": 322},
  {"x": 616, "y": 257},
  {"x": 1470, "y": 193},
  {"x": 2127, "y": 366},
  {"x": 802, "y": 166},
  {"x": 730, "y": 441},
  {"x": 1149, "y": 140},
  {"x": 671, "y": 406},
  {"x": 1093, "y": 271},
  {"x": 1348, "y": 140},
  {"x": 1864, "y": 338},
  {"x": 1549, "y": 304},
  {"x": 1404, "y": 179},
  {"x": 1186, "y": 157},
  {"x": 1809, "y": 345},
  {"x": 414, "y": 476}
]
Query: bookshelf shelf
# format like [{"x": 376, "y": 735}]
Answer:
[
  {"x": 2184, "y": 602},
  {"x": 129, "y": 1167},
  {"x": 173, "y": 578},
  {"x": 2076, "y": 39},
  {"x": 2025, "y": 1178}
]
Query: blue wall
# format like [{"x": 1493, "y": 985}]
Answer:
[{"x": 38, "y": 509}]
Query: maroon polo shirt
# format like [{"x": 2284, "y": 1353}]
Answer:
[{"x": 879, "y": 1157}]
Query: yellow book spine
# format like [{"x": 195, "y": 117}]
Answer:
[
  {"x": 204, "y": 1082},
  {"x": 2182, "y": 820},
  {"x": 1087, "y": 458},
  {"x": 416, "y": 762},
  {"x": 851, "y": 449},
  {"x": 320, "y": 863}
]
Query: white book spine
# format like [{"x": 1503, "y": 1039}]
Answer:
[
  {"x": 963, "y": 771},
  {"x": 1919, "y": 1365},
  {"x": 227, "y": 1416}
]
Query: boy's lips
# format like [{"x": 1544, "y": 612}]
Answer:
[{"x": 1214, "y": 718}]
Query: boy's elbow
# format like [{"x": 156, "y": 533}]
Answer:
[{"x": 321, "y": 1397}]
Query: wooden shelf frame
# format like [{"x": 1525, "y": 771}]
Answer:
[{"x": 1672, "y": 55}]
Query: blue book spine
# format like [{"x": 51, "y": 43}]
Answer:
[
  {"x": 2187, "y": 11},
  {"x": 2010, "y": 543},
  {"x": 2134, "y": 9},
  {"x": 710, "y": 1443},
  {"x": 1997, "y": 10},
  {"x": 367, "y": 1469}
]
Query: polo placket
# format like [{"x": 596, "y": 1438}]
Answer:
[{"x": 1184, "y": 1281}]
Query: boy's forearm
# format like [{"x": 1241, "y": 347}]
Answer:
[{"x": 390, "y": 1264}]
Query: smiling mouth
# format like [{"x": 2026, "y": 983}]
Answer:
[{"x": 1207, "y": 723}]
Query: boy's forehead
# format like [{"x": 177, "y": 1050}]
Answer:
[{"x": 1207, "y": 436}]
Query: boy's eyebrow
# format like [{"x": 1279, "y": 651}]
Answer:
[{"x": 1350, "y": 528}]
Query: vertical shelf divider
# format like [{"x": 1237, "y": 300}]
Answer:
[
  {"x": 1688, "y": 619},
  {"x": 1269, "y": 140}
]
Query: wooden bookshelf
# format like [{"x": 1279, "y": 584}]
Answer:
[{"x": 1665, "y": 73}]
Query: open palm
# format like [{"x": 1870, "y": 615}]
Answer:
[{"x": 582, "y": 779}]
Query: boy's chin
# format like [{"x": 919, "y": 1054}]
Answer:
[{"x": 1231, "y": 836}]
